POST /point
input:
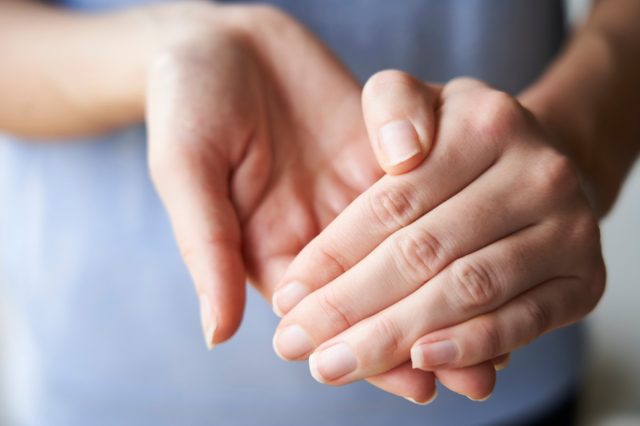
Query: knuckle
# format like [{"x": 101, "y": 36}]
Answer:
[
  {"x": 330, "y": 259},
  {"x": 489, "y": 337},
  {"x": 387, "y": 336},
  {"x": 586, "y": 229},
  {"x": 496, "y": 116},
  {"x": 419, "y": 254},
  {"x": 539, "y": 317},
  {"x": 334, "y": 309},
  {"x": 394, "y": 207},
  {"x": 555, "y": 175},
  {"x": 473, "y": 286}
]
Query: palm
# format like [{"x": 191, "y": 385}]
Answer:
[
  {"x": 317, "y": 169},
  {"x": 266, "y": 151},
  {"x": 314, "y": 156}
]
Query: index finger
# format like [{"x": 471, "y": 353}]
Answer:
[{"x": 389, "y": 205}]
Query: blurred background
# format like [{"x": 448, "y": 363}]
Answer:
[{"x": 612, "y": 384}]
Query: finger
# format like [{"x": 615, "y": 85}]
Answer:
[
  {"x": 208, "y": 236},
  {"x": 405, "y": 261},
  {"x": 416, "y": 386},
  {"x": 391, "y": 204},
  {"x": 472, "y": 285},
  {"x": 551, "y": 305},
  {"x": 475, "y": 382},
  {"x": 501, "y": 361},
  {"x": 399, "y": 112},
  {"x": 191, "y": 166}
]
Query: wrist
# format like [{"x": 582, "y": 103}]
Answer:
[
  {"x": 143, "y": 38},
  {"x": 566, "y": 104}
]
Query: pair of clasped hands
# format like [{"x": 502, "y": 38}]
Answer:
[{"x": 477, "y": 239}]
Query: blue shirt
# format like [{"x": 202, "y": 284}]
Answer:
[{"x": 103, "y": 320}]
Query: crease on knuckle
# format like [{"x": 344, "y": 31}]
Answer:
[
  {"x": 394, "y": 207},
  {"x": 388, "y": 337},
  {"x": 473, "y": 286},
  {"x": 539, "y": 318},
  {"x": 491, "y": 339},
  {"x": 325, "y": 256},
  {"x": 333, "y": 309},
  {"x": 419, "y": 254}
]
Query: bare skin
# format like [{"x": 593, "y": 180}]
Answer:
[
  {"x": 494, "y": 235},
  {"x": 251, "y": 151}
]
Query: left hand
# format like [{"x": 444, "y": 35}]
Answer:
[{"x": 486, "y": 245}]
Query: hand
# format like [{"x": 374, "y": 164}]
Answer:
[
  {"x": 256, "y": 142},
  {"x": 486, "y": 245}
]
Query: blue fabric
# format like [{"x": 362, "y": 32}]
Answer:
[{"x": 103, "y": 319}]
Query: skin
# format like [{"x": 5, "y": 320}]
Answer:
[
  {"x": 480, "y": 249},
  {"x": 168, "y": 63},
  {"x": 250, "y": 153},
  {"x": 494, "y": 235}
]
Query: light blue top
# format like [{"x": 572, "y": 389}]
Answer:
[{"x": 103, "y": 321}]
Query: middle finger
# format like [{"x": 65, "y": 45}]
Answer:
[{"x": 405, "y": 261}]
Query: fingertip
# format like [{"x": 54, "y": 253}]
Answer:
[
  {"x": 221, "y": 310},
  {"x": 476, "y": 382},
  {"x": 425, "y": 402},
  {"x": 414, "y": 385},
  {"x": 481, "y": 399},
  {"x": 313, "y": 369},
  {"x": 208, "y": 320},
  {"x": 399, "y": 113},
  {"x": 287, "y": 297}
]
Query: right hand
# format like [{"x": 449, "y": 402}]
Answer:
[{"x": 256, "y": 142}]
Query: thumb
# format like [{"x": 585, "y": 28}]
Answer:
[
  {"x": 208, "y": 234},
  {"x": 190, "y": 134},
  {"x": 399, "y": 112}
]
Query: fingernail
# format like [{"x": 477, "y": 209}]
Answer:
[
  {"x": 433, "y": 354},
  {"x": 287, "y": 297},
  {"x": 398, "y": 141},
  {"x": 208, "y": 320},
  {"x": 292, "y": 342},
  {"x": 427, "y": 402},
  {"x": 332, "y": 363},
  {"x": 481, "y": 399}
]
